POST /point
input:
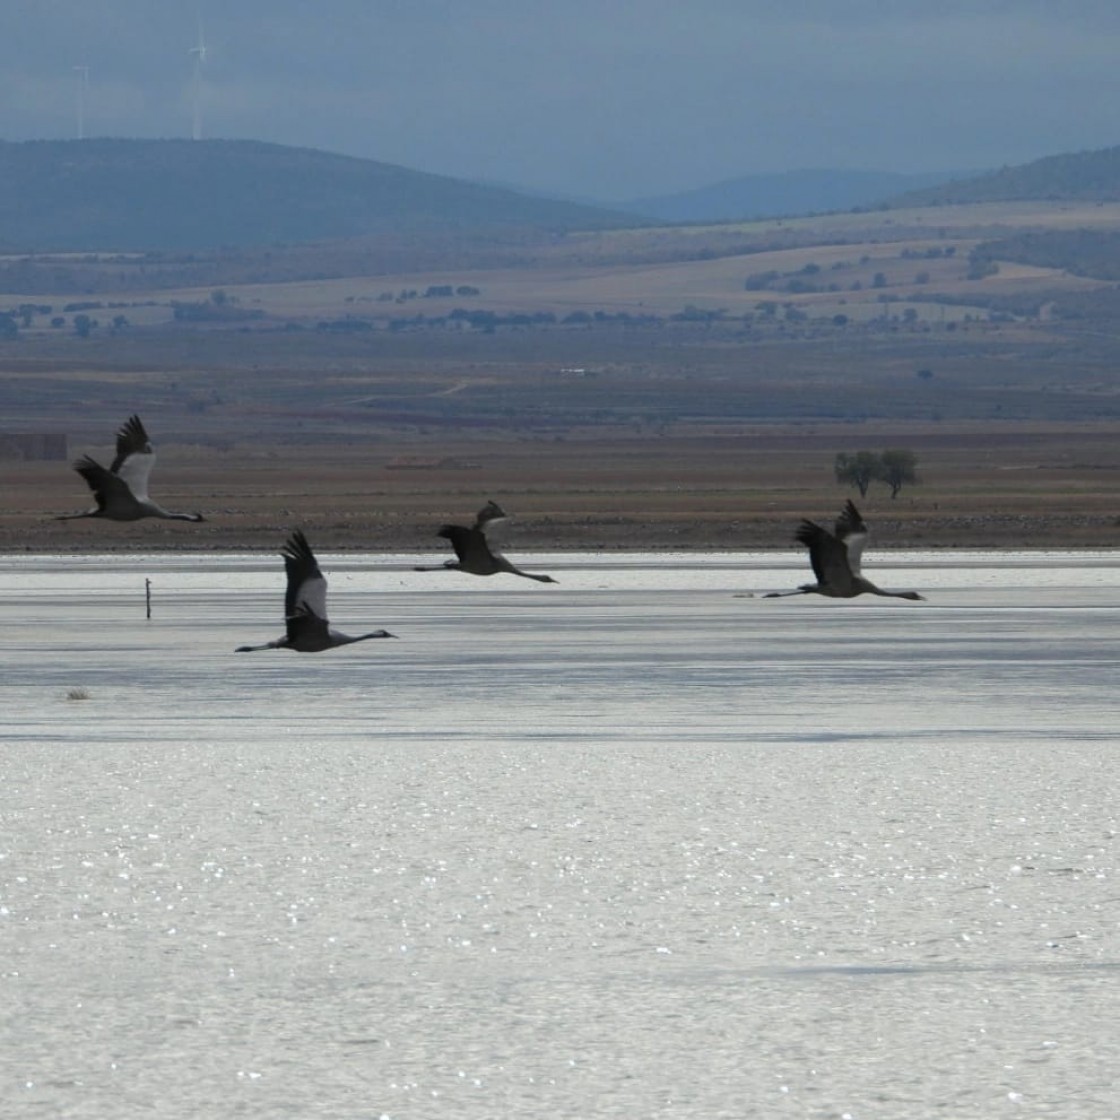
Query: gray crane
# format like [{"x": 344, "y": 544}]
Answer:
[
  {"x": 836, "y": 557},
  {"x": 472, "y": 548},
  {"x": 305, "y": 606},
  {"x": 121, "y": 492}
]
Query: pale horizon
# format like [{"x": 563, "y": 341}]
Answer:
[{"x": 598, "y": 101}]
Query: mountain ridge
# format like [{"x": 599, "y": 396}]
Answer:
[{"x": 147, "y": 195}]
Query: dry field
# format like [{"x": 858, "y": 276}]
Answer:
[
  {"x": 668, "y": 437},
  {"x": 656, "y": 271},
  {"x": 739, "y": 488}
]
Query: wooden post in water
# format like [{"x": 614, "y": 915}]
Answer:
[{"x": 148, "y": 598}]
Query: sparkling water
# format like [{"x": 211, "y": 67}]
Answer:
[{"x": 640, "y": 844}]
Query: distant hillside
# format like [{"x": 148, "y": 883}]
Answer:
[
  {"x": 182, "y": 194},
  {"x": 1081, "y": 176},
  {"x": 1092, "y": 253},
  {"x": 781, "y": 194}
]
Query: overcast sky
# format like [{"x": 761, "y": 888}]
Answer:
[{"x": 603, "y": 99}]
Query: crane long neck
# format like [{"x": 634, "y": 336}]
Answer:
[{"x": 505, "y": 566}]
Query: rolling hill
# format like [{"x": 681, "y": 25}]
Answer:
[
  {"x": 1079, "y": 176},
  {"x": 782, "y": 194},
  {"x": 138, "y": 195}
]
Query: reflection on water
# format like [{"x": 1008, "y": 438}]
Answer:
[{"x": 627, "y": 846}]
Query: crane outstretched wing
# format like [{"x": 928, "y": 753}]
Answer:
[
  {"x": 489, "y": 515},
  {"x": 306, "y": 629},
  {"x": 307, "y": 586},
  {"x": 469, "y": 544},
  {"x": 107, "y": 487},
  {"x": 135, "y": 458},
  {"x": 851, "y": 530},
  {"x": 828, "y": 555}
]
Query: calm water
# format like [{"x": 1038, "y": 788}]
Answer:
[{"x": 637, "y": 845}]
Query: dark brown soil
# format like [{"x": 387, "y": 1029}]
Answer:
[{"x": 1027, "y": 486}]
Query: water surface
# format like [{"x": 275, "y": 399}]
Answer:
[{"x": 641, "y": 844}]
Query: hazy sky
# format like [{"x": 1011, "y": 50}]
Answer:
[{"x": 605, "y": 99}]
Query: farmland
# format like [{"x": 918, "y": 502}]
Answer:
[{"x": 683, "y": 387}]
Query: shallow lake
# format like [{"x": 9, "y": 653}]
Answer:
[{"x": 640, "y": 844}]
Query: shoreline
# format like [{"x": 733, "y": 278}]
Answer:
[{"x": 271, "y": 541}]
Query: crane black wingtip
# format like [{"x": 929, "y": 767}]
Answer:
[
  {"x": 296, "y": 547},
  {"x": 850, "y": 522},
  {"x": 807, "y": 532},
  {"x": 133, "y": 429}
]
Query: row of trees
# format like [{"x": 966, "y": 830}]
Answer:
[
  {"x": 82, "y": 323},
  {"x": 896, "y": 467}
]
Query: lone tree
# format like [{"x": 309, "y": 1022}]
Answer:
[
  {"x": 897, "y": 467},
  {"x": 859, "y": 470}
]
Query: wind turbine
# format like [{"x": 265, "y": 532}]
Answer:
[
  {"x": 82, "y": 73},
  {"x": 199, "y": 54}
]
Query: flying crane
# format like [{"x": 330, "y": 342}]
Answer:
[
  {"x": 835, "y": 558},
  {"x": 473, "y": 551},
  {"x": 305, "y": 606},
  {"x": 121, "y": 492}
]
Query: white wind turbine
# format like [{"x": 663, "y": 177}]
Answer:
[{"x": 199, "y": 54}]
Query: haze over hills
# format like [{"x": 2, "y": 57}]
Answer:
[
  {"x": 182, "y": 195},
  {"x": 85, "y": 195},
  {"x": 783, "y": 193},
  {"x": 1080, "y": 176}
]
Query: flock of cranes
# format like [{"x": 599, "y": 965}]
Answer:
[{"x": 121, "y": 494}]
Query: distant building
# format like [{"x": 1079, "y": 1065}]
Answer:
[{"x": 34, "y": 445}]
